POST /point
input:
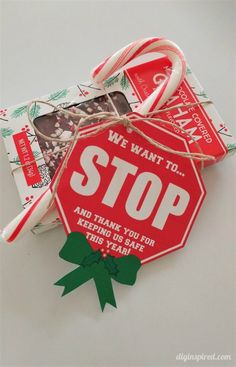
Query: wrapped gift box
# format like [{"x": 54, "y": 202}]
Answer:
[{"x": 126, "y": 89}]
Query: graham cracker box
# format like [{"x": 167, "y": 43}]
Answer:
[{"x": 127, "y": 89}]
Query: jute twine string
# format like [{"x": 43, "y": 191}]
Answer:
[
  {"x": 106, "y": 115},
  {"x": 108, "y": 120}
]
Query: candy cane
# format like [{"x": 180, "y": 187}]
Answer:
[
  {"x": 141, "y": 47},
  {"x": 29, "y": 217}
]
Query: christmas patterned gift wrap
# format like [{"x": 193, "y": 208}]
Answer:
[
  {"x": 24, "y": 145},
  {"x": 123, "y": 92}
]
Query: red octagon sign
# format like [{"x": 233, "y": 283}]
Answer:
[{"x": 127, "y": 196}]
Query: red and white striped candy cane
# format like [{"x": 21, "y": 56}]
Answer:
[
  {"x": 141, "y": 47},
  {"x": 29, "y": 217}
]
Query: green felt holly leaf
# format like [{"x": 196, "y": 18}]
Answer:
[
  {"x": 75, "y": 248},
  {"x": 92, "y": 258},
  {"x": 124, "y": 82},
  {"x": 57, "y": 95},
  {"x": 19, "y": 111},
  {"x": 111, "y": 265},
  {"x": 128, "y": 267},
  {"x": 111, "y": 81},
  {"x": 6, "y": 131}
]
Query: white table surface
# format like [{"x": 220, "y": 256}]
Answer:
[{"x": 183, "y": 302}]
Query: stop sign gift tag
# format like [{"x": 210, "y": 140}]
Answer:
[
  {"x": 125, "y": 195},
  {"x": 121, "y": 199}
]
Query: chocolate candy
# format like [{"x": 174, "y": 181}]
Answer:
[{"x": 62, "y": 126}]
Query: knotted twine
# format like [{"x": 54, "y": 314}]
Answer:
[{"x": 108, "y": 120}]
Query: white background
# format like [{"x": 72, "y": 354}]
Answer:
[{"x": 181, "y": 303}]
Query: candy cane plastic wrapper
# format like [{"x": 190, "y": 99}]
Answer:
[{"x": 29, "y": 217}]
